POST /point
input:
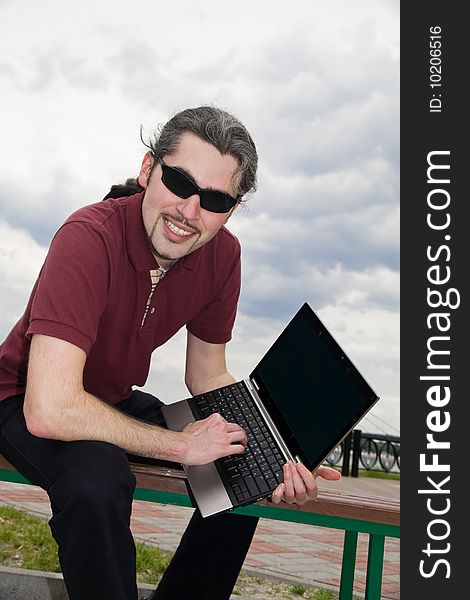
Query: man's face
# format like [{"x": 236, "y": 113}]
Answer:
[{"x": 176, "y": 226}]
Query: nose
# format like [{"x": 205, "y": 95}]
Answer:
[{"x": 190, "y": 207}]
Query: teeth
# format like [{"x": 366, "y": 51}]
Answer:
[{"x": 177, "y": 230}]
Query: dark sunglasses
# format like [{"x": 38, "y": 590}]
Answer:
[{"x": 182, "y": 186}]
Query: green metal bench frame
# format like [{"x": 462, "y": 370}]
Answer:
[{"x": 166, "y": 486}]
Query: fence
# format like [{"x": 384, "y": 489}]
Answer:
[{"x": 371, "y": 451}]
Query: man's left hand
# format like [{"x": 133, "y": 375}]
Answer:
[{"x": 300, "y": 484}]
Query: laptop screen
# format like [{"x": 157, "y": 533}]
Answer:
[{"x": 313, "y": 392}]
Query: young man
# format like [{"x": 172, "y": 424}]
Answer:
[{"x": 121, "y": 278}]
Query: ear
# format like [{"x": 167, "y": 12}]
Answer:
[{"x": 146, "y": 169}]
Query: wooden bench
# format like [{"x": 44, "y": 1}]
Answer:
[{"x": 352, "y": 512}]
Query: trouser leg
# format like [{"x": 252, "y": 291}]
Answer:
[
  {"x": 90, "y": 487},
  {"x": 209, "y": 558},
  {"x": 211, "y": 553}
]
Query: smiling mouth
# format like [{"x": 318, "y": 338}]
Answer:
[{"x": 177, "y": 230}]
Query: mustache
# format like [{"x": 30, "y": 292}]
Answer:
[{"x": 180, "y": 219}]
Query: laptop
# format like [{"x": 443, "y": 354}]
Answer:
[{"x": 298, "y": 404}]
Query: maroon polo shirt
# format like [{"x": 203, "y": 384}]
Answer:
[{"x": 93, "y": 289}]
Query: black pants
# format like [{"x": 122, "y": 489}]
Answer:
[{"x": 90, "y": 487}]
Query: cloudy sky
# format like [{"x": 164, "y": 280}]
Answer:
[{"x": 315, "y": 82}]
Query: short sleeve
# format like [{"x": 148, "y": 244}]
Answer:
[
  {"x": 72, "y": 287},
  {"x": 214, "y": 323}
]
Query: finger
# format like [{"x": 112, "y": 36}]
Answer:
[
  {"x": 289, "y": 492},
  {"x": 216, "y": 418},
  {"x": 233, "y": 449},
  {"x": 238, "y": 437},
  {"x": 278, "y": 494},
  {"x": 300, "y": 489},
  {"x": 327, "y": 473},
  {"x": 234, "y": 427},
  {"x": 309, "y": 481}
]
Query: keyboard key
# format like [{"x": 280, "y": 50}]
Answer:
[
  {"x": 236, "y": 479},
  {"x": 263, "y": 486},
  {"x": 251, "y": 485},
  {"x": 266, "y": 470},
  {"x": 258, "y": 470}
]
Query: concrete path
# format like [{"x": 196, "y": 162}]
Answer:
[{"x": 287, "y": 551}]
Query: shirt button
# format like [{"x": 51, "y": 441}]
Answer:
[{"x": 152, "y": 311}]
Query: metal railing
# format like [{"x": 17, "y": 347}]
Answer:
[{"x": 371, "y": 451}]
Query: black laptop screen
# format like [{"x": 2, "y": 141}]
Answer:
[{"x": 311, "y": 389}]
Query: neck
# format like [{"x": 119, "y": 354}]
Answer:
[{"x": 164, "y": 263}]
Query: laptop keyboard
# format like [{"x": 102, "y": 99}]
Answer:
[{"x": 258, "y": 471}]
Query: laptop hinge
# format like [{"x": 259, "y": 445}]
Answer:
[{"x": 250, "y": 384}]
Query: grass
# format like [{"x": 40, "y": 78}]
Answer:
[
  {"x": 379, "y": 474},
  {"x": 151, "y": 562},
  {"x": 26, "y": 543},
  {"x": 305, "y": 592},
  {"x": 257, "y": 587}
]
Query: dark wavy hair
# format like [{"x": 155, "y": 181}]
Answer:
[{"x": 213, "y": 125}]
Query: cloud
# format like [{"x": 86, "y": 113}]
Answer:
[
  {"x": 317, "y": 86},
  {"x": 278, "y": 291},
  {"x": 21, "y": 259},
  {"x": 369, "y": 337},
  {"x": 365, "y": 238},
  {"x": 42, "y": 211}
]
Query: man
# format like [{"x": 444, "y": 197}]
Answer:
[{"x": 120, "y": 279}]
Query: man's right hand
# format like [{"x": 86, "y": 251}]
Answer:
[{"x": 212, "y": 438}]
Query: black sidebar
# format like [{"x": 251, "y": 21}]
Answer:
[{"x": 435, "y": 300}]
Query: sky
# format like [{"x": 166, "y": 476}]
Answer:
[{"x": 316, "y": 84}]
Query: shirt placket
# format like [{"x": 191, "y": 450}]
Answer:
[{"x": 156, "y": 275}]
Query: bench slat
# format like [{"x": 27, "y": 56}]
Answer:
[{"x": 337, "y": 503}]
